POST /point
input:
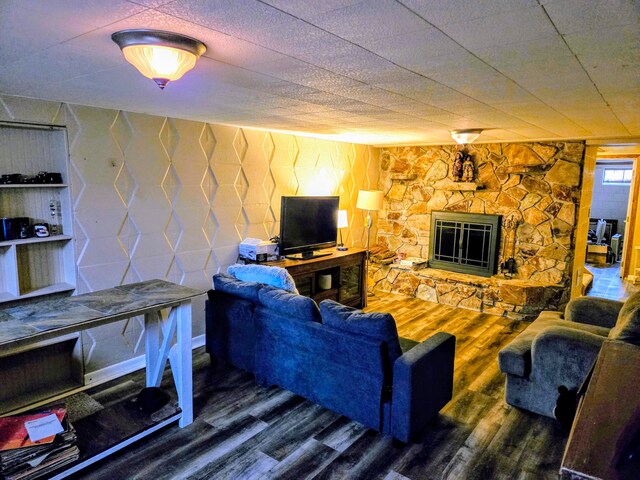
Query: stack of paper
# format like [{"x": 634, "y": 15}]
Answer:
[
  {"x": 413, "y": 262},
  {"x": 34, "y": 444}
]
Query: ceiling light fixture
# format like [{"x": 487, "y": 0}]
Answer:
[
  {"x": 158, "y": 55},
  {"x": 466, "y": 136}
]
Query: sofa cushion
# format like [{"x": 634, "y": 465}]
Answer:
[
  {"x": 227, "y": 284},
  {"x": 275, "y": 276},
  {"x": 289, "y": 304},
  {"x": 627, "y": 327},
  {"x": 377, "y": 326},
  {"x": 515, "y": 358}
]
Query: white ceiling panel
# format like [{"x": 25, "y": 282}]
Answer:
[
  {"x": 574, "y": 16},
  {"x": 371, "y": 71},
  {"x": 525, "y": 25},
  {"x": 441, "y": 13}
]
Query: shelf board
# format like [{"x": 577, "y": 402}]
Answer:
[
  {"x": 34, "y": 185},
  {"x": 26, "y": 241},
  {"x": 37, "y": 395},
  {"x": 7, "y": 297},
  {"x": 55, "y": 288}
]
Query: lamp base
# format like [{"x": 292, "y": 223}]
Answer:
[{"x": 342, "y": 248}]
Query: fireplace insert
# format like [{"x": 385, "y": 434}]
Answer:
[{"x": 464, "y": 242}]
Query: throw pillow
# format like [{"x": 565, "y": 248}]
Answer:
[
  {"x": 378, "y": 326},
  {"x": 627, "y": 327},
  {"x": 275, "y": 276}
]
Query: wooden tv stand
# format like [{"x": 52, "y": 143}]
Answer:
[{"x": 348, "y": 276}]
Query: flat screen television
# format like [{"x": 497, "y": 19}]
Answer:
[{"x": 308, "y": 224}]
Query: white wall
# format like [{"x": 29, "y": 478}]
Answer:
[
  {"x": 157, "y": 197},
  {"x": 609, "y": 201}
]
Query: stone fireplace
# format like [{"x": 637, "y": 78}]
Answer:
[{"x": 535, "y": 186}]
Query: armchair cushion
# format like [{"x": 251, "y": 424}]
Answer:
[
  {"x": 593, "y": 311},
  {"x": 627, "y": 327},
  {"x": 515, "y": 358}
]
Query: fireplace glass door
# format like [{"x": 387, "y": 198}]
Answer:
[{"x": 464, "y": 242}]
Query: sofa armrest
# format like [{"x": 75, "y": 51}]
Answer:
[
  {"x": 422, "y": 385},
  {"x": 563, "y": 356},
  {"x": 593, "y": 311}
]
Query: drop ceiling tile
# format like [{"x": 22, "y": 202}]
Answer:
[
  {"x": 452, "y": 11},
  {"x": 369, "y": 19},
  {"x": 572, "y": 16},
  {"x": 527, "y": 24},
  {"x": 240, "y": 18},
  {"x": 623, "y": 41},
  {"x": 29, "y": 26},
  {"x": 407, "y": 47},
  {"x": 151, "y": 3},
  {"x": 446, "y": 68},
  {"x": 308, "y": 8},
  {"x": 551, "y": 49},
  {"x": 627, "y": 74}
]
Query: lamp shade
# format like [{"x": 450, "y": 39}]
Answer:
[
  {"x": 158, "y": 55},
  {"x": 370, "y": 200},
  {"x": 466, "y": 136},
  {"x": 342, "y": 219}
]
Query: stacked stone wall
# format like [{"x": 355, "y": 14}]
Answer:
[{"x": 535, "y": 184}]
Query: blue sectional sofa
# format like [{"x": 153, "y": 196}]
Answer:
[{"x": 341, "y": 358}]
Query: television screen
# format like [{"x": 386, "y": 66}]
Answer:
[{"x": 308, "y": 224}]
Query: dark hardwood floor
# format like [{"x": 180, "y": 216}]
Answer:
[{"x": 242, "y": 431}]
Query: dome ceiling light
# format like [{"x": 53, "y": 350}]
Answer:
[
  {"x": 467, "y": 135},
  {"x": 161, "y": 56}
]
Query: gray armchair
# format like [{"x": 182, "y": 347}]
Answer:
[{"x": 559, "y": 349}]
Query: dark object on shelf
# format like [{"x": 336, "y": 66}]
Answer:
[
  {"x": 48, "y": 177},
  {"x": 151, "y": 399},
  {"x": 27, "y": 179},
  {"x": 22, "y": 228},
  {"x": 41, "y": 230},
  {"x": 6, "y": 229},
  {"x": 41, "y": 178},
  {"x": 10, "y": 178},
  {"x": 14, "y": 228}
]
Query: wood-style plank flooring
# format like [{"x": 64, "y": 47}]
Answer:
[{"x": 242, "y": 431}]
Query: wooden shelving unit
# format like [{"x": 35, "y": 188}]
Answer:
[
  {"x": 35, "y": 266},
  {"x": 348, "y": 276}
]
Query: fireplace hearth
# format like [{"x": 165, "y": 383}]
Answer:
[{"x": 464, "y": 242}]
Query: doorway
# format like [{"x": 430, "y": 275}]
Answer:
[{"x": 609, "y": 226}]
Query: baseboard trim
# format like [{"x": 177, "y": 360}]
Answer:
[{"x": 119, "y": 369}]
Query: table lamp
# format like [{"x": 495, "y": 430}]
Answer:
[
  {"x": 342, "y": 223},
  {"x": 369, "y": 200}
]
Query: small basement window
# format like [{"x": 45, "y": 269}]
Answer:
[{"x": 617, "y": 176}]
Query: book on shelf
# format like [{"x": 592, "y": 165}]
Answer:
[{"x": 25, "y": 456}]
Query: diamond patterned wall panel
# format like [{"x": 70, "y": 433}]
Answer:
[{"x": 159, "y": 197}]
